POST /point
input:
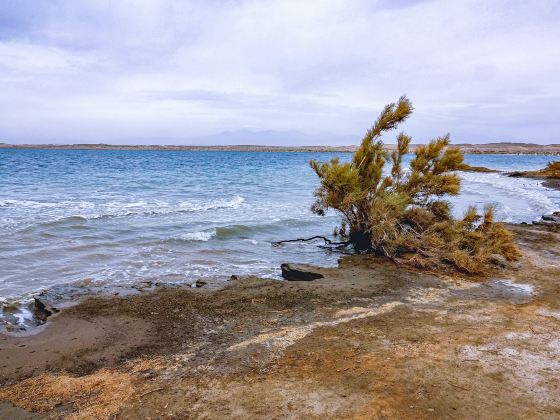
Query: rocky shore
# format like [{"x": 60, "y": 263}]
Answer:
[
  {"x": 368, "y": 339},
  {"x": 551, "y": 220}
]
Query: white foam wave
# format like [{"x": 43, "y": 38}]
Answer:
[
  {"x": 116, "y": 209},
  {"x": 517, "y": 199},
  {"x": 30, "y": 204},
  {"x": 203, "y": 236},
  {"x": 54, "y": 212},
  {"x": 6, "y": 222}
]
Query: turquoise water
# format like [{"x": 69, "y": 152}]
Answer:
[{"x": 128, "y": 216}]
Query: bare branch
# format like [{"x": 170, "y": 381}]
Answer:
[{"x": 327, "y": 241}]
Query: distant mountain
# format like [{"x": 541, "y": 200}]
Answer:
[
  {"x": 510, "y": 148},
  {"x": 285, "y": 138}
]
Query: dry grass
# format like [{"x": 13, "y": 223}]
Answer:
[
  {"x": 146, "y": 364},
  {"x": 96, "y": 396}
]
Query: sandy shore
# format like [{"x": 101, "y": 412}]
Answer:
[{"x": 369, "y": 340}]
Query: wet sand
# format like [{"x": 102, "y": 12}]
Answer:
[{"x": 369, "y": 340}]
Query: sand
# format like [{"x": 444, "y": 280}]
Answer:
[{"x": 369, "y": 340}]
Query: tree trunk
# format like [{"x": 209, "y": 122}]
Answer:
[{"x": 360, "y": 240}]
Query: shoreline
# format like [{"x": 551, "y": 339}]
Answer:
[
  {"x": 490, "y": 148},
  {"x": 41, "y": 306},
  {"x": 370, "y": 338}
]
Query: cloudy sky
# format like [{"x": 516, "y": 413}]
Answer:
[{"x": 291, "y": 72}]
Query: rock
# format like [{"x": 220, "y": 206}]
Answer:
[
  {"x": 200, "y": 283},
  {"x": 552, "y": 220},
  {"x": 298, "y": 273},
  {"x": 143, "y": 285},
  {"x": 43, "y": 308},
  {"x": 233, "y": 277}
]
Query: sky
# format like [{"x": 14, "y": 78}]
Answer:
[{"x": 286, "y": 72}]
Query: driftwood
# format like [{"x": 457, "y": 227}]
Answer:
[
  {"x": 149, "y": 392},
  {"x": 327, "y": 241}
]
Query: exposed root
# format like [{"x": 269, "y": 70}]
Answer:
[{"x": 327, "y": 241}]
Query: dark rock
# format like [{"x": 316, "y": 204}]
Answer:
[
  {"x": 299, "y": 273},
  {"x": 143, "y": 285},
  {"x": 43, "y": 308},
  {"x": 233, "y": 277},
  {"x": 200, "y": 283},
  {"x": 551, "y": 220}
]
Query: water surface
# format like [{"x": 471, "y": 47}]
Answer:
[{"x": 127, "y": 216}]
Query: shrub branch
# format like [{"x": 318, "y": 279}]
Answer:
[{"x": 404, "y": 215}]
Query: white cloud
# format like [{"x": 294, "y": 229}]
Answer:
[{"x": 169, "y": 70}]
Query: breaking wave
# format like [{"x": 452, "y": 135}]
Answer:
[
  {"x": 243, "y": 231},
  {"x": 203, "y": 236},
  {"x": 155, "y": 208},
  {"x": 30, "y": 204},
  {"x": 65, "y": 212}
]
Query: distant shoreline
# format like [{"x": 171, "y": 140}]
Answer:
[{"x": 490, "y": 148}]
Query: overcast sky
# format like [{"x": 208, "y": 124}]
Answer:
[{"x": 302, "y": 72}]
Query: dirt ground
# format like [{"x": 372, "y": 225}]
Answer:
[{"x": 370, "y": 340}]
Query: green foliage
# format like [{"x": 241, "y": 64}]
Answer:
[{"x": 403, "y": 215}]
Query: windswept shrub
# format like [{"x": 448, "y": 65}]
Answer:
[
  {"x": 403, "y": 215},
  {"x": 550, "y": 171}
]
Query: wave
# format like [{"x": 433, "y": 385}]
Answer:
[
  {"x": 238, "y": 231},
  {"x": 244, "y": 231},
  {"x": 30, "y": 204},
  {"x": 160, "y": 207},
  {"x": 6, "y": 222},
  {"x": 113, "y": 209},
  {"x": 233, "y": 231},
  {"x": 509, "y": 193},
  {"x": 202, "y": 236}
]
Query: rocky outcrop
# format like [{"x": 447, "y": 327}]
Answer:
[
  {"x": 293, "y": 272},
  {"x": 43, "y": 308},
  {"x": 552, "y": 219},
  {"x": 464, "y": 167}
]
